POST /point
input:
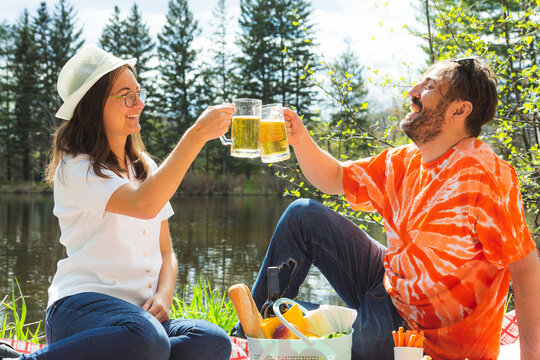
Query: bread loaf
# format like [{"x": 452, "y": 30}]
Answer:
[{"x": 249, "y": 316}]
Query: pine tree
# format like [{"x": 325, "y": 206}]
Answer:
[
  {"x": 26, "y": 121},
  {"x": 65, "y": 41},
  {"x": 296, "y": 55},
  {"x": 41, "y": 26},
  {"x": 219, "y": 73},
  {"x": 222, "y": 55},
  {"x": 113, "y": 36},
  {"x": 349, "y": 87},
  {"x": 275, "y": 51},
  {"x": 349, "y": 103},
  {"x": 46, "y": 84},
  {"x": 256, "y": 68},
  {"x": 176, "y": 65},
  {"x": 7, "y": 50},
  {"x": 138, "y": 43}
]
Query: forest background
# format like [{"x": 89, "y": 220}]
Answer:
[{"x": 275, "y": 58}]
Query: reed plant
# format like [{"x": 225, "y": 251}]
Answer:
[
  {"x": 13, "y": 312},
  {"x": 206, "y": 304}
]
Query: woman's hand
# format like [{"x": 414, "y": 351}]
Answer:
[
  {"x": 214, "y": 121},
  {"x": 158, "y": 306},
  {"x": 296, "y": 130}
]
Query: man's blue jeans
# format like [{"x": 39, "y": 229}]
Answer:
[
  {"x": 96, "y": 326},
  {"x": 310, "y": 233}
]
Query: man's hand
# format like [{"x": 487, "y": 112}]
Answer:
[
  {"x": 318, "y": 166},
  {"x": 294, "y": 126},
  {"x": 159, "y": 307}
]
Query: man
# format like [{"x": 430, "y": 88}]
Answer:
[{"x": 453, "y": 218}]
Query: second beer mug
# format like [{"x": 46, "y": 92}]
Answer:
[
  {"x": 246, "y": 123},
  {"x": 273, "y": 137}
]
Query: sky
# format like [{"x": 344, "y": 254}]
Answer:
[{"x": 375, "y": 29}]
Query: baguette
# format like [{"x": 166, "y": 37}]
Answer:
[{"x": 249, "y": 316}]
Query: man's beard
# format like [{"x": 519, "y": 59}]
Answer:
[{"x": 426, "y": 126}]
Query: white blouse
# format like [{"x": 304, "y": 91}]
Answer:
[{"x": 107, "y": 253}]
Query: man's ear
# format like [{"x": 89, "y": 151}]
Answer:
[{"x": 462, "y": 109}]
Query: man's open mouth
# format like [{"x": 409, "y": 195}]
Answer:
[{"x": 416, "y": 105}]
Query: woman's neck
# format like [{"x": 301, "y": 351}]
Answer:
[{"x": 119, "y": 150}]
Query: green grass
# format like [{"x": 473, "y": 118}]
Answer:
[{"x": 206, "y": 304}]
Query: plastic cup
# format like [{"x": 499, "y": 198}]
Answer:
[{"x": 408, "y": 353}]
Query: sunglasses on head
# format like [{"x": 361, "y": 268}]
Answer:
[{"x": 466, "y": 64}]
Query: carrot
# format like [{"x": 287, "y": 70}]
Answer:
[
  {"x": 395, "y": 336},
  {"x": 412, "y": 339},
  {"x": 406, "y": 337},
  {"x": 419, "y": 342},
  {"x": 400, "y": 336}
]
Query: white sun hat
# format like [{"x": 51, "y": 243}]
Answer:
[{"x": 81, "y": 72}]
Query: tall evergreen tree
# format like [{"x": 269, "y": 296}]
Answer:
[
  {"x": 65, "y": 41},
  {"x": 130, "y": 37},
  {"x": 46, "y": 82},
  {"x": 348, "y": 103},
  {"x": 25, "y": 69},
  {"x": 219, "y": 72},
  {"x": 255, "y": 65},
  {"x": 41, "y": 26},
  {"x": 222, "y": 54},
  {"x": 177, "y": 64},
  {"x": 113, "y": 36},
  {"x": 7, "y": 50},
  {"x": 139, "y": 43},
  {"x": 269, "y": 38},
  {"x": 296, "y": 28},
  {"x": 349, "y": 87}
]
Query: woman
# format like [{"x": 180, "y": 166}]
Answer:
[{"x": 110, "y": 298}]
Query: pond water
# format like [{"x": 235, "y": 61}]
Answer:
[{"x": 223, "y": 239}]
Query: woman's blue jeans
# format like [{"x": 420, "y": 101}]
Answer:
[
  {"x": 97, "y": 326},
  {"x": 310, "y": 233}
]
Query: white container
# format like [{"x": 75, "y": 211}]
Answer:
[{"x": 408, "y": 353}]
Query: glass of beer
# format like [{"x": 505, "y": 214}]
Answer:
[
  {"x": 246, "y": 123},
  {"x": 273, "y": 136}
]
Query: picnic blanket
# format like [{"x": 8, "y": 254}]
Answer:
[
  {"x": 509, "y": 342},
  {"x": 23, "y": 346}
]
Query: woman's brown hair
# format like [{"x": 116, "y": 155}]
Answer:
[{"x": 85, "y": 134}]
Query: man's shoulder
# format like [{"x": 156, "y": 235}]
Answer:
[{"x": 474, "y": 153}]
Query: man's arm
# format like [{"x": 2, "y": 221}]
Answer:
[
  {"x": 526, "y": 280},
  {"x": 318, "y": 166}
]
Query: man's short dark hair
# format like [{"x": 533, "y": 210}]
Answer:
[{"x": 471, "y": 80}]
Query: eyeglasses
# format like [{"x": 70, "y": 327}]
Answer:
[
  {"x": 466, "y": 64},
  {"x": 131, "y": 97}
]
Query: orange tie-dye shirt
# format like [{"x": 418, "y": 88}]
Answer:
[{"x": 453, "y": 225}]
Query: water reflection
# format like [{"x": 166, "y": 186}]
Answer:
[{"x": 222, "y": 238}]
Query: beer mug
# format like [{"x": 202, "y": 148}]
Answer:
[
  {"x": 273, "y": 136},
  {"x": 246, "y": 123}
]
